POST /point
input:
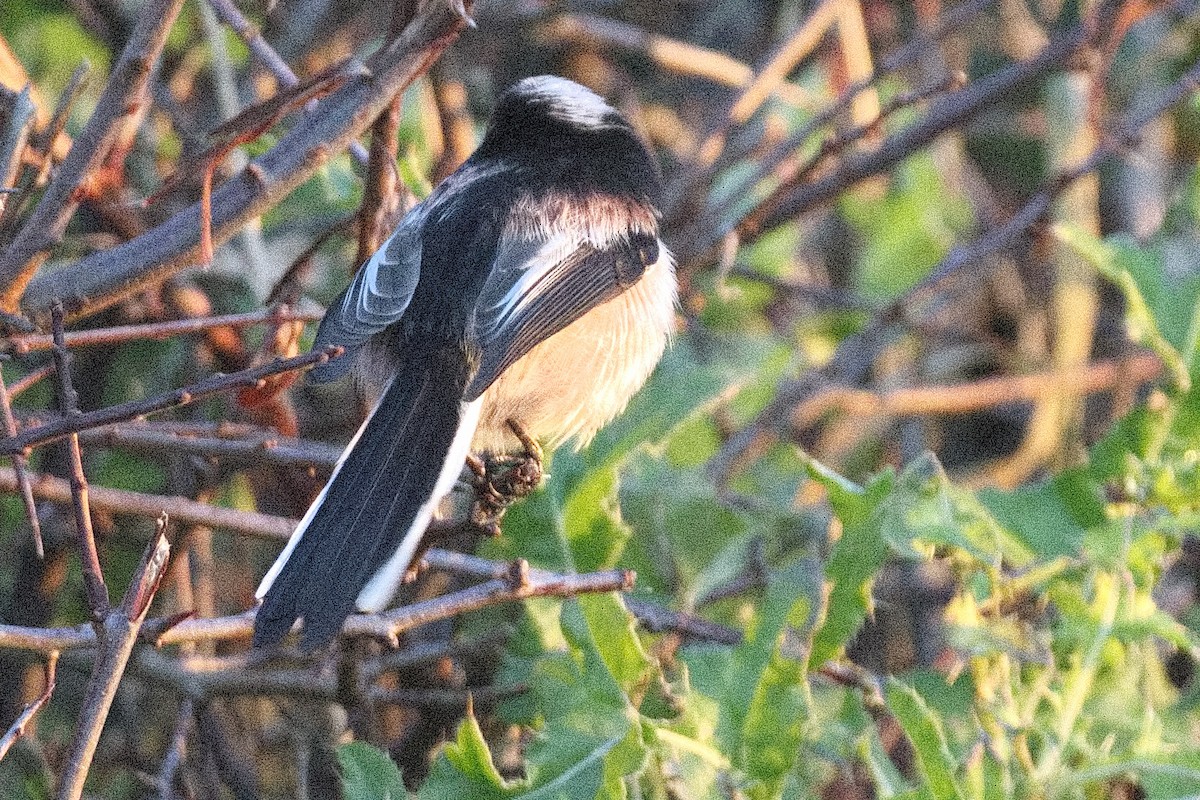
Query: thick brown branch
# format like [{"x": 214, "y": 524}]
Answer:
[
  {"x": 104, "y": 277},
  {"x": 124, "y": 95},
  {"x": 178, "y": 397}
]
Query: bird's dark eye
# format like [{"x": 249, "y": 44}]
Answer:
[{"x": 646, "y": 245}]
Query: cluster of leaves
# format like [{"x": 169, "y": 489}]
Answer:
[{"x": 1053, "y": 682}]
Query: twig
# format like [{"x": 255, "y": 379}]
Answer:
[
  {"x": 93, "y": 576},
  {"x": 160, "y": 330},
  {"x": 103, "y": 278},
  {"x": 657, "y": 619},
  {"x": 124, "y": 95},
  {"x": 216, "y": 384},
  {"x": 118, "y": 635},
  {"x": 387, "y": 625},
  {"x": 267, "y": 55},
  {"x": 458, "y": 699},
  {"x": 383, "y": 190},
  {"x": 21, "y": 470},
  {"x": 176, "y": 750},
  {"x": 126, "y": 503},
  {"x": 17, "y": 729},
  {"x": 27, "y": 381},
  {"x": 259, "y": 446},
  {"x": 964, "y": 398},
  {"x": 772, "y": 74},
  {"x": 671, "y": 54},
  {"x": 849, "y": 365}
]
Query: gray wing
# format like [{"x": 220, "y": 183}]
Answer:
[
  {"x": 377, "y": 296},
  {"x": 538, "y": 287}
]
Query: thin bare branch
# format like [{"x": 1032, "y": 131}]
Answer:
[
  {"x": 122, "y": 502},
  {"x": 17, "y": 729},
  {"x": 31, "y": 378},
  {"x": 387, "y": 625},
  {"x": 21, "y": 469},
  {"x": 255, "y": 446},
  {"x": 105, "y": 337},
  {"x": 118, "y": 635},
  {"x": 216, "y": 384},
  {"x": 176, "y": 750},
  {"x": 93, "y": 576},
  {"x": 267, "y": 56},
  {"x": 673, "y": 55},
  {"x": 964, "y": 398}
]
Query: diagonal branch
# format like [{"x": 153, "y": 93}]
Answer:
[
  {"x": 67, "y": 425},
  {"x": 123, "y": 96},
  {"x": 103, "y": 278},
  {"x": 119, "y": 635}
]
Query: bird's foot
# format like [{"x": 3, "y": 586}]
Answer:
[{"x": 501, "y": 481}]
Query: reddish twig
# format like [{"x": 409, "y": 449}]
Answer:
[
  {"x": 216, "y": 384},
  {"x": 118, "y": 635},
  {"x": 267, "y": 55},
  {"x": 104, "y": 277},
  {"x": 17, "y": 729},
  {"x": 160, "y": 330},
  {"x": 27, "y": 381},
  {"x": 93, "y": 576},
  {"x": 123, "y": 96}
]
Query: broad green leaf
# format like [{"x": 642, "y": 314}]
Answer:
[
  {"x": 925, "y": 731},
  {"x": 924, "y": 506},
  {"x": 855, "y": 560},
  {"x": 765, "y": 706},
  {"x": 369, "y": 774}
]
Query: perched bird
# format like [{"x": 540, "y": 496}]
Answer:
[{"x": 530, "y": 286}]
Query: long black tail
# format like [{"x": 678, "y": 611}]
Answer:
[{"x": 364, "y": 527}]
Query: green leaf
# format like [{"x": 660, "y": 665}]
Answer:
[
  {"x": 1137, "y": 270},
  {"x": 1040, "y": 516},
  {"x": 369, "y": 774},
  {"x": 855, "y": 560},
  {"x": 765, "y": 706},
  {"x": 924, "y": 506},
  {"x": 925, "y": 730}
]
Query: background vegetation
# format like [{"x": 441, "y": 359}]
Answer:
[{"x": 912, "y": 502}]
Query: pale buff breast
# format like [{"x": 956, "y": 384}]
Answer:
[{"x": 573, "y": 383}]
